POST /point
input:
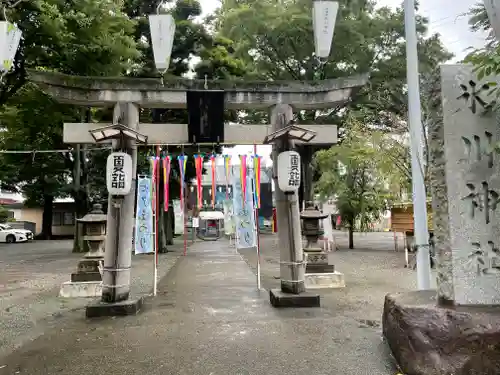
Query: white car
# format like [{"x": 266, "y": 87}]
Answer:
[{"x": 11, "y": 235}]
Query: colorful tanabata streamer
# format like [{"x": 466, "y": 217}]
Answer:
[
  {"x": 227, "y": 171},
  {"x": 166, "y": 161},
  {"x": 198, "y": 164},
  {"x": 214, "y": 182},
  {"x": 243, "y": 177},
  {"x": 256, "y": 180},
  {"x": 182, "y": 159},
  {"x": 154, "y": 175}
]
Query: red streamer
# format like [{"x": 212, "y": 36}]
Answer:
[
  {"x": 214, "y": 182},
  {"x": 243, "y": 176},
  {"x": 166, "y": 180},
  {"x": 198, "y": 163}
]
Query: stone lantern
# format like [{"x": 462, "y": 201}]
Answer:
[
  {"x": 319, "y": 272},
  {"x": 87, "y": 280},
  {"x": 94, "y": 233},
  {"x": 311, "y": 228}
]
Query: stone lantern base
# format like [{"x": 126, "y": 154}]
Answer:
[
  {"x": 320, "y": 273},
  {"x": 80, "y": 289},
  {"x": 86, "y": 281}
]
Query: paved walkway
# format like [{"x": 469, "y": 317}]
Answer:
[{"x": 208, "y": 319}]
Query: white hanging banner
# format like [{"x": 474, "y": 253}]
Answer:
[
  {"x": 144, "y": 239},
  {"x": 328, "y": 239},
  {"x": 10, "y": 37},
  {"x": 119, "y": 173},
  {"x": 244, "y": 219},
  {"x": 162, "y": 27},
  {"x": 228, "y": 217},
  {"x": 178, "y": 217},
  {"x": 289, "y": 171},
  {"x": 324, "y": 18},
  {"x": 493, "y": 11}
]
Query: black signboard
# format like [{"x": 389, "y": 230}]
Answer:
[{"x": 206, "y": 116}]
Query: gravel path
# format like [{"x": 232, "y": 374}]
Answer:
[
  {"x": 370, "y": 273},
  {"x": 209, "y": 319},
  {"x": 30, "y": 280}
]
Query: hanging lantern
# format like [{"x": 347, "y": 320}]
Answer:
[
  {"x": 162, "y": 27},
  {"x": 10, "y": 36},
  {"x": 289, "y": 171},
  {"x": 324, "y": 18},
  {"x": 119, "y": 173}
]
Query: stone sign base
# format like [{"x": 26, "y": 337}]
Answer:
[
  {"x": 427, "y": 339},
  {"x": 71, "y": 289},
  {"x": 280, "y": 299},
  {"x": 324, "y": 280},
  {"x": 123, "y": 308}
]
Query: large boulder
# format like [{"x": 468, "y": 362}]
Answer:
[{"x": 429, "y": 340}]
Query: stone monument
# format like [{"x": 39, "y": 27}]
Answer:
[{"x": 457, "y": 330}]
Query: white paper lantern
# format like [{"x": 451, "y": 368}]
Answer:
[
  {"x": 10, "y": 36},
  {"x": 289, "y": 171},
  {"x": 324, "y": 18},
  {"x": 119, "y": 173},
  {"x": 162, "y": 27},
  {"x": 493, "y": 11}
]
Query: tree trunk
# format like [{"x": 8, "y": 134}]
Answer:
[
  {"x": 81, "y": 209},
  {"x": 170, "y": 226},
  {"x": 48, "y": 202},
  {"x": 351, "y": 235}
]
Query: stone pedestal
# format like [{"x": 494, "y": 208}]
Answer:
[
  {"x": 317, "y": 262},
  {"x": 71, "y": 289},
  {"x": 88, "y": 270},
  {"x": 320, "y": 273},
  {"x": 427, "y": 339},
  {"x": 279, "y": 298},
  {"x": 86, "y": 281},
  {"x": 121, "y": 308}
]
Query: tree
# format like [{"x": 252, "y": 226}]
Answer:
[
  {"x": 275, "y": 39},
  {"x": 4, "y": 214},
  {"x": 486, "y": 60},
  {"x": 355, "y": 173},
  {"x": 85, "y": 37}
]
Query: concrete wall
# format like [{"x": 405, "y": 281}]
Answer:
[{"x": 35, "y": 215}]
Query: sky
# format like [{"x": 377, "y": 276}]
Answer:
[{"x": 446, "y": 17}]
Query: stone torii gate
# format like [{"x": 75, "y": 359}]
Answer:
[{"x": 127, "y": 95}]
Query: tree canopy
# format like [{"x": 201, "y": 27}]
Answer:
[
  {"x": 275, "y": 39},
  {"x": 243, "y": 39},
  {"x": 486, "y": 60},
  {"x": 359, "y": 176},
  {"x": 95, "y": 38}
]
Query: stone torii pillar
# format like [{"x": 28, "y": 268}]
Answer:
[
  {"x": 120, "y": 226},
  {"x": 292, "y": 266}
]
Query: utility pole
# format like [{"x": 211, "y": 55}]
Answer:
[{"x": 416, "y": 137}]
